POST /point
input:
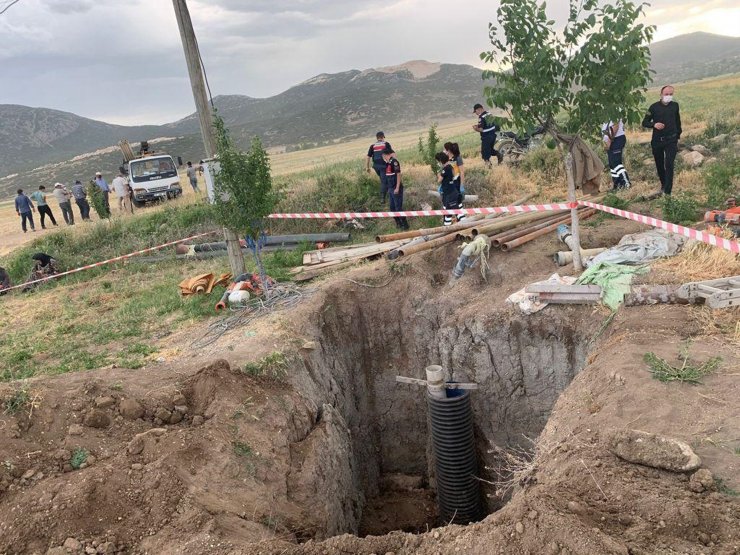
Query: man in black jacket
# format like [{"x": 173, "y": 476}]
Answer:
[{"x": 665, "y": 120}]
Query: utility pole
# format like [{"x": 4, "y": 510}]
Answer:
[{"x": 205, "y": 117}]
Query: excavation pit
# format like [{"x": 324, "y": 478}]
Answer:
[{"x": 520, "y": 363}]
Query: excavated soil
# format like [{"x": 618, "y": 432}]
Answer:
[{"x": 329, "y": 454}]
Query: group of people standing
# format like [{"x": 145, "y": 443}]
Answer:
[{"x": 24, "y": 204}]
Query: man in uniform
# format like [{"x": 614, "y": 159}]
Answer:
[
  {"x": 375, "y": 155},
  {"x": 487, "y": 128},
  {"x": 664, "y": 119},
  {"x": 392, "y": 174}
]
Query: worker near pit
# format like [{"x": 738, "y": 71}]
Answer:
[
  {"x": 664, "y": 119},
  {"x": 375, "y": 155},
  {"x": 614, "y": 141},
  {"x": 394, "y": 183},
  {"x": 449, "y": 187},
  {"x": 487, "y": 128}
]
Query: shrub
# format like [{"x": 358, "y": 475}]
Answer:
[
  {"x": 615, "y": 201},
  {"x": 429, "y": 148},
  {"x": 79, "y": 457},
  {"x": 18, "y": 401},
  {"x": 721, "y": 180},
  {"x": 680, "y": 209}
]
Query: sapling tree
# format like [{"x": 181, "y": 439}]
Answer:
[
  {"x": 596, "y": 70},
  {"x": 244, "y": 196},
  {"x": 428, "y": 149}
]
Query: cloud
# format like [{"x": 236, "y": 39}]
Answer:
[{"x": 124, "y": 60}]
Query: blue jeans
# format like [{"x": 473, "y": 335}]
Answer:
[
  {"x": 397, "y": 206},
  {"x": 27, "y": 216}
]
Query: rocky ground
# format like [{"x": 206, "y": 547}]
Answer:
[{"x": 202, "y": 454}]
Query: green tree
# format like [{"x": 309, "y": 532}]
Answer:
[
  {"x": 244, "y": 196},
  {"x": 428, "y": 148},
  {"x": 97, "y": 200},
  {"x": 595, "y": 71}
]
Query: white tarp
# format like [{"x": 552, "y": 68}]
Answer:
[{"x": 639, "y": 248}]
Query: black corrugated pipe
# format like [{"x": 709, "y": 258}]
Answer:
[{"x": 458, "y": 489}]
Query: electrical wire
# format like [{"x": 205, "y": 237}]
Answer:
[{"x": 8, "y": 6}]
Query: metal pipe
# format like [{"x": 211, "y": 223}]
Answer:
[
  {"x": 426, "y": 231},
  {"x": 497, "y": 240},
  {"x": 407, "y": 250},
  {"x": 512, "y": 221},
  {"x": 552, "y": 227},
  {"x": 563, "y": 258}
]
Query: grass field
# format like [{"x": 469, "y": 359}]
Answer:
[{"x": 122, "y": 314}]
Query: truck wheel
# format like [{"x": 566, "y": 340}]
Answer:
[{"x": 138, "y": 203}]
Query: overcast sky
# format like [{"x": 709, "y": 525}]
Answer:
[{"x": 122, "y": 61}]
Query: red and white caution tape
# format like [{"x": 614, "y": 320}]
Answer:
[
  {"x": 419, "y": 213},
  {"x": 710, "y": 239},
  {"x": 110, "y": 260}
]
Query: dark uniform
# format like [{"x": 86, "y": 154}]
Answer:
[
  {"x": 376, "y": 153},
  {"x": 488, "y": 130},
  {"x": 664, "y": 141},
  {"x": 390, "y": 175},
  {"x": 617, "y": 142},
  {"x": 450, "y": 192}
]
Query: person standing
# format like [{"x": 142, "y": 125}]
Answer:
[
  {"x": 63, "y": 196},
  {"x": 375, "y": 155},
  {"x": 24, "y": 208},
  {"x": 452, "y": 150},
  {"x": 80, "y": 196},
  {"x": 449, "y": 188},
  {"x": 121, "y": 188},
  {"x": 615, "y": 141},
  {"x": 44, "y": 209},
  {"x": 487, "y": 128},
  {"x": 193, "y": 176},
  {"x": 394, "y": 183},
  {"x": 105, "y": 189},
  {"x": 664, "y": 118}
]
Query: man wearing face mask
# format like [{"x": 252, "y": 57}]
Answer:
[{"x": 664, "y": 119}]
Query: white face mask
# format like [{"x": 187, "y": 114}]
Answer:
[{"x": 667, "y": 98}]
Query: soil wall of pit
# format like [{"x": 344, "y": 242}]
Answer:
[{"x": 364, "y": 339}]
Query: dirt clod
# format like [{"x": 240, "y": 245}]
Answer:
[
  {"x": 701, "y": 480},
  {"x": 130, "y": 409},
  {"x": 104, "y": 402},
  {"x": 73, "y": 544},
  {"x": 654, "y": 450},
  {"x": 96, "y": 418}
]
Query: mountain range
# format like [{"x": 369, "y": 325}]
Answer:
[{"x": 324, "y": 109}]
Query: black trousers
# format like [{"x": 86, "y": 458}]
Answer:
[
  {"x": 380, "y": 170},
  {"x": 487, "y": 142},
  {"x": 396, "y": 205},
  {"x": 46, "y": 211},
  {"x": 665, "y": 157},
  {"x": 84, "y": 207},
  {"x": 620, "y": 179}
]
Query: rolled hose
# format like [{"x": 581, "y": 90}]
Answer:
[{"x": 458, "y": 489}]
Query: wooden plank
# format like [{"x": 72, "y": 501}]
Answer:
[{"x": 562, "y": 288}]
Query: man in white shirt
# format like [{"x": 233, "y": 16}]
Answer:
[
  {"x": 615, "y": 141},
  {"x": 121, "y": 188}
]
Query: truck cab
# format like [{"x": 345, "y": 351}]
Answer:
[{"x": 152, "y": 176}]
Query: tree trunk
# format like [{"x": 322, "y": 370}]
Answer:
[{"x": 234, "y": 249}]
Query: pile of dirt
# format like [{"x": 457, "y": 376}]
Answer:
[{"x": 200, "y": 455}]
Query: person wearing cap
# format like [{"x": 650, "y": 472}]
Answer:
[
  {"x": 375, "y": 155},
  {"x": 104, "y": 188},
  {"x": 487, "y": 128},
  {"x": 63, "y": 195},
  {"x": 394, "y": 183},
  {"x": 80, "y": 196},
  {"x": 44, "y": 209}
]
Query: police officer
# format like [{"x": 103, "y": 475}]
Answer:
[
  {"x": 665, "y": 120},
  {"x": 375, "y": 155},
  {"x": 394, "y": 184},
  {"x": 487, "y": 129}
]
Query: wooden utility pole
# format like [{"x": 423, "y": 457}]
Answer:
[{"x": 205, "y": 117}]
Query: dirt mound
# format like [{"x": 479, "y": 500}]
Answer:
[{"x": 207, "y": 455}]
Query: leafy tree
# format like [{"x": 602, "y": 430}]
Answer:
[
  {"x": 97, "y": 200},
  {"x": 244, "y": 195},
  {"x": 429, "y": 148},
  {"x": 595, "y": 71}
]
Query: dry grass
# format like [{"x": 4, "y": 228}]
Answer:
[
  {"x": 722, "y": 321},
  {"x": 515, "y": 466},
  {"x": 699, "y": 262}
]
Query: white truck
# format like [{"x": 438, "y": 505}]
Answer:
[{"x": 152, "y": 175}]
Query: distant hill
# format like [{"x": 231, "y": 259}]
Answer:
[
  {"x": 322, "y": 110},
  {"x": 694, "y": 56}
]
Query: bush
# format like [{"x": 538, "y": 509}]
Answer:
[
  {"x": 721, "y": 180},
  {"x": 545, "y": 162},
  {"x": 615, "y": 201},
  {"x": 429, "y": 149},
  {"x": 680, "y": 209}
]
